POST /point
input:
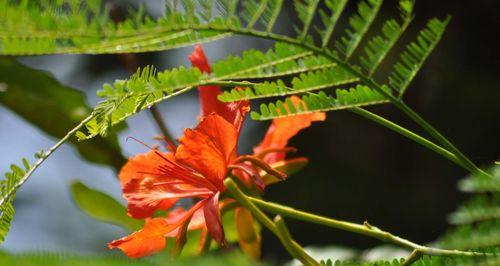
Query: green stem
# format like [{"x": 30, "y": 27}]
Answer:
[
  {"x": 25, "y": 178},
  {"x": 364, "y": 229},
  {"x": 297, "y": 251},
  {"x": 414, "y": 256},
  {"x": 411, "y": 135}
]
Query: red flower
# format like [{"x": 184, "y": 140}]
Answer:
[{"x": 196, "y": 169}]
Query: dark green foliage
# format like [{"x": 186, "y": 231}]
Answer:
[
  {"x": 103, "y": 207},
  {"x": 53, "y": 108}
]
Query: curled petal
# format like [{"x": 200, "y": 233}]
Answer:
[
  {"x": 283, "y": 129},
  {"x": 209, "y": 148},
  {"x": 137, "y": 166},
  {"x": 213, "y": 220},
  {"x": 144, "y": 242},
  {"x": 151, "y": 238},
  {"x": 197, "y": 221}
]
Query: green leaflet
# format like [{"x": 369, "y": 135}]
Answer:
[
  {"x": 377, "y": 48},
  {"x": 283, "y": 59},
  {"x": 359, "y": 25},
  {"x": 478, "y": 219},
  {"x": 329, "y": 21},
  {"x": 415, "y": 54},
  {"x": 8, "y": 189},
  {"x": 103, "y": 207},
  {"x": 53, "y": 108},
  {"x": 127, "y": 97},
  {"x": 320, "y": 102},
  {"x": 51, "y": 28},
  {"x": 306, "y": 82},
  {"x": 305, "y": 11}
]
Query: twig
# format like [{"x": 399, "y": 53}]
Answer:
[{"x": 244, "y": 200}]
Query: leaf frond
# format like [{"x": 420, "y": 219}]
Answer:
[
  {"x": 359, "y": 25},
  {"x": 320, "y": 102},
  {"x": 378, "y": 47},
  {"x": 415, "y": 54}
]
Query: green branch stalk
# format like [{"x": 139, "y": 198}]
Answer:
[
  {"x": 44, "y": 157},
  {"x": 292, "y": 247},
  {"x": 362, "y": 229}
]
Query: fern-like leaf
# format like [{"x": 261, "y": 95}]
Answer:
[
  {"x": 144, "y": 89},
  {"x": 378, "y": 47},
  {"x": 320, "y": 102},
  {"x": 306, "y": 82},
  {"x": 359, "y": 25},
  {"x": 479, "y": 208},
  {"x": 330, "y": 20},
  {"x": 305, "y": 11},
  {"x": 283, "y": 59},
  {"x": 416, "y": 53},
  {"x": 478, "y": 219},
  {"x": 8, "y": 188}
]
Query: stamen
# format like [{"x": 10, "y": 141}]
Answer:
[
  {"x": 264, "y": 166},
  {"x": 259, "y": 183},
  {"x": 169, "y": 144}
]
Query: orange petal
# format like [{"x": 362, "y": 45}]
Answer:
[
  {"x": 137, "y": 176},
  {"x": 213, "y": 220},
  {"x": 144, "y": 242},
  {"x": 283, "y": 129},
  {"x": 209, "y": 148},
  {"x": 143, "y": 163},
  {"x": 146, "y": 196},
  {"x": 234, "y": 112},
  {"x": 151, "y": 238},
  {"x": 197, "y": 221}
]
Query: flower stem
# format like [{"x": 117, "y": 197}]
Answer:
[
  {"x": 364, "y": 229},
  {"x": 8, "y": 194},
  {"x": 293, "y": 247}
]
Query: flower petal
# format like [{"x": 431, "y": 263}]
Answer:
[
  {"x": 145, "y": 196},
  {"x": 283, "y": 129},
  {"x": 197, "y": 221},
  {"x": 137, "y": 166},
  {"x": 144, "y": 242},
  {"x": 213, "y": 220},
  {"x": 209, "y": 148},
  {"x": 234, "y": 112},
  {"x": 151, "y": 238}
]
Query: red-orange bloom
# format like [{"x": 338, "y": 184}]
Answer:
[{"x": 197, "y": 168}]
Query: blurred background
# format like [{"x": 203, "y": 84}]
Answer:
[{"x": 358, "y": 171}]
